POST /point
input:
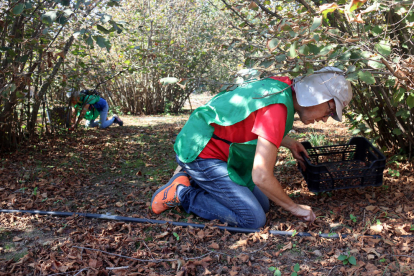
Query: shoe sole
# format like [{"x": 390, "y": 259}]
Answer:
[{"x": 166, "y": 185}]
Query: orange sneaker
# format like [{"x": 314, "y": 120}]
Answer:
[{"x": 166, "y": 197}]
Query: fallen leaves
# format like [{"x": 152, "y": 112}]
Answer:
[
  {"x": 17, "y": 239},
  {"x": 98, "y": 189}
]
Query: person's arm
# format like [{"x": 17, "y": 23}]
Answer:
[
  {"x": 296, "y": 148},
  {"x": 263, "y": 177},
  {"x": 81, "y": 115}
]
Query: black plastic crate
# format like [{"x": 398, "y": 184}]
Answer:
[{"x": 345, "y": 166}]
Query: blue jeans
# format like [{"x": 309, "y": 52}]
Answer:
[
  {"x": 213, "y": 195},
  {"x": 102, "y": 119}
]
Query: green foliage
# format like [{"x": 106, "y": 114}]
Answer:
[
  {"x": 176, "y": 236},
  {"x": 347, "y": 259},
  {"x": 33, "y": 56},
  {"x": 296, "y": 269},
  {"x": 275, "y": 270},
  {"x": 360, "y": 40},
  {"x": 318, "y": 140},
  {"x": 353, "y": 218}
]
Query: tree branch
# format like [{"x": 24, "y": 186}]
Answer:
[
  {"x": 266, "y": 10},
  {"x": 236, "y": 13}
]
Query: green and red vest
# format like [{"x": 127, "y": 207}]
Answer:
[
  {"x": 229, "y": 108},
  {"x": 92, "y": 113}
]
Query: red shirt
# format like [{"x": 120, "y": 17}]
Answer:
[{"x": 268, "y": 122}]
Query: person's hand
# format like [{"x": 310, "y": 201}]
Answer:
[
  {"x": 296, "y": 148},
  {"x": 305, "y": 212}
]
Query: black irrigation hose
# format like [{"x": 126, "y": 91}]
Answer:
[{"x": 184, "y": 224}]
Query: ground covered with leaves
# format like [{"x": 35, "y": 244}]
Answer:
[{"x": 116, "y": 171}]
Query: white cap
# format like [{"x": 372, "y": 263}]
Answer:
[
  {"x": 321, "y": 87},
  {"x": 72, "y": 92}
]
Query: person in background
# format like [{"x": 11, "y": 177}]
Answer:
[
  {"x": 228, "y": 148},
  {"x": 89, "y": 105}
]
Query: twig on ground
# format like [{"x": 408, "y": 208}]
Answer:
[
  {"x": 148, "y": 249},
  {"x": 363, "y": 219},
  {"x": 143, "y": 260},
  {"x": 248, "y": 253},
  {"x": 86, "y": 268},
  {"x": 115, "y": 268},
  {"x": 69, "y": 272},
  {"x": 332, "y": 270}
]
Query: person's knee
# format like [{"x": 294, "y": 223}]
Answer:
[{"x": 255, "y": 221}]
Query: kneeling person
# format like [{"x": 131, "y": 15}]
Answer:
[
  {"x": 229, "y": 147},
  {"x": 90, "y": 105}
]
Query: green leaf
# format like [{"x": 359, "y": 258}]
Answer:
[
  {"x": 345, "y": 262},
  {"x": 304, "y": 50},
  {"x": 314, "y": 49},
  {"x": 410, "y": 101},
  {"x": 62, "y": 20},
  {"x": 384, "y": 48},
  {"x": 376, "y": 64},
  {"x": 23, "y": 59},
  {"x": 115, "y": 27},
  {"x": 49, "y": 17},
  {"x": 105, "y": 18},
  {"x": 352, "y": 260},
  {"x": 294, "y": 274},
  {"x": 266, "y": 63},
  {"x": 102, "y": 42},
  {"x": 351, "y": 68},
  {"x": 67, "y": 12},
  {"x": 18, "y": 9},
  {"x": 377, "y": 30},
  {"x": 351, "y": 77},
  {"x": 169, "y": 80},
  {"x": 20, "y": 94},
  {"x": 89, "y": 41},
  {"x": 65, "y": 2},
  {"x": 296, "y": 268},
  {"x": 102, "y": 29},
  {"x": 317, "y": 21},
  {"x": 292, "y": 50},
  {"x": 399, "y": 96},
  {"x": 277, "y": 273},
  {"x": 280, "y": 58},
  {"x": 366, "y": 54},
  {"x": 325, "y": 50},
  {"x": 366, "y": 77},
  {"x": 396, "y": 131},
  {"x": 272, "y": 268},
  {"x": 345, "y": 56},
  {"x": 273, "y": 44},
  {"x": 249, "y": 62},
  {"x": 342, "y": 257},
  {"x": 176, "y": 236},
  {"x": 231, "y": 88}
]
